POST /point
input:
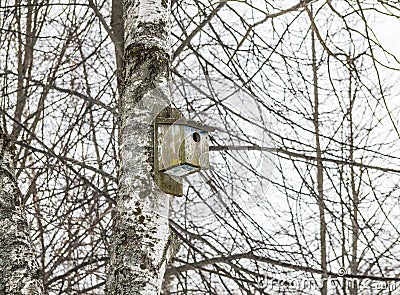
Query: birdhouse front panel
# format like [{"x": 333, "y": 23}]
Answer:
[{"x": 196, "y": 147}]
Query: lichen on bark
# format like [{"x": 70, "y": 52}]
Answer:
[{"x": 20, "y": 273}]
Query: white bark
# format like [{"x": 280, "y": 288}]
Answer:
[
  {"x": 19, "y": 270},
  {"x": 141, "y": 234}
]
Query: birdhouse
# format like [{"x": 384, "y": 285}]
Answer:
[{"x": 181, "y": 148}]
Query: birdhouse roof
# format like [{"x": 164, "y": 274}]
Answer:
[{"x": 185, "y": 122}]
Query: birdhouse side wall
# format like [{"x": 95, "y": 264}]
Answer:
[{"x": 170, "y": 140}]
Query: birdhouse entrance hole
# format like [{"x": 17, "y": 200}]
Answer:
[{"x": 196, "y": 137}]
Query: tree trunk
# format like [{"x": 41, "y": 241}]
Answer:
[
  {"x": 20, "y": 273},
  {"x": 320, "y": 172},
  {"x": 117, "y": 26},
  {"x": 141, "y": 235}
]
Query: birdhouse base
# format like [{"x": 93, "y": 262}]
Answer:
[{"x": 181, "y": 170}]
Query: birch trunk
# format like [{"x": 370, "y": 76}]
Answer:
[
  {"x": 141, "y": 235},
  {"x": 19, "y": 270}
]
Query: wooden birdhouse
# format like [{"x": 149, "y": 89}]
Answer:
[{"x": 181, "y": 148}]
